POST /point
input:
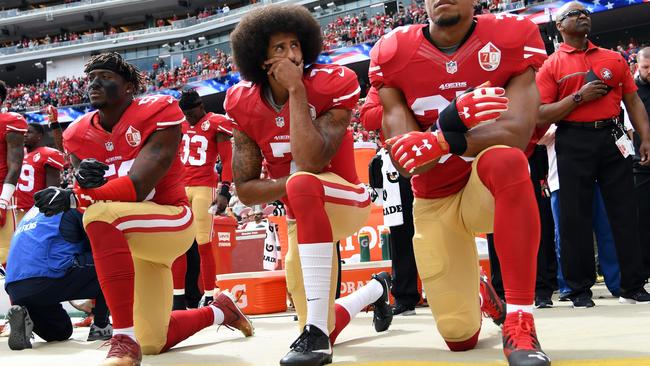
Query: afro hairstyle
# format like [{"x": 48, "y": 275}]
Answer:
[{"x": 250, "y": 39}]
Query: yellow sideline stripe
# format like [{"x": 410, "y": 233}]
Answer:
[{"x": 609, "y": 362}]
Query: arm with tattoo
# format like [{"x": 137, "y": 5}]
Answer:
[
  {"x": 314, "y": 143},
  {"x": 247, "y": 167},
  {"x": 154, "y": 160},
  {"x": 15, "y": 154}
]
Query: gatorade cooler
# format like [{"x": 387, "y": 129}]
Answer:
[
  {"x": 258, "y": 292},
  {"x": 355, "y": 275},
  {"x": 362, "y": 157},
  {"x": 224, "y": 241}
]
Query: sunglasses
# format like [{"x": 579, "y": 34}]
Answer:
[{"x": 575, "y": 13}]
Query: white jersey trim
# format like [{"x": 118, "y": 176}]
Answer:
[
  {"x": 357, "y": 91},
  {"x": 158, "y": 223}
]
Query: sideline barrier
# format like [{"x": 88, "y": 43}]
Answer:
[{"x": 257, "y": 292}]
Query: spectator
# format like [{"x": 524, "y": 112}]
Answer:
[{"x": 587, "y": 116}]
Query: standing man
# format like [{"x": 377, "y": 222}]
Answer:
[
  {"x": 581, "y": 88},
  {"x": 296, "y": 118},
  {"x": 641, "y": 172},
  {"x": 136, "y": 211},
  {"x": 41, "y": 168},
  {"x": 464, "y": 179},
  {"x": 404, "y": 271},
  {"x": 206, "y": 137},
  {"x": 12, "y": 129}
]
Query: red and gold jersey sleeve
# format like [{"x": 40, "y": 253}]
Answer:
[
  {"x": 54, "y": 158},
  {"x": 14, "y": 122},
  {"x": 336, "y": 85}
]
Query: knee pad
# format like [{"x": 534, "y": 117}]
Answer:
[
  {"x": 501, "y": 167},
  {"x": 456, "y": 328}
]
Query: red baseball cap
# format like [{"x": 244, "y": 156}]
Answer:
[{"x": 610, "y": 70}]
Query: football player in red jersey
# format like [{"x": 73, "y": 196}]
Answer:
[
  {"x": 310, "y": 162},
  {"x": 12, "y": 129},
  {"x": 41, "y": 168},
  {"x": 129, "y": 181},
  {"x": 469, "y": 175},
  {"x": 206, "y": 137}
]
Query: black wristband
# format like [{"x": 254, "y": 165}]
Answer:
[
  {"x": 54, "y": 125},
  {"x": 449, "y": 120},
  {"x": 457, "y": 142}
]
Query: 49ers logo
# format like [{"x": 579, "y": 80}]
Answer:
[{"x": 133, "y": 136}]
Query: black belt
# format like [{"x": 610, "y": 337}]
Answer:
[{"x": 604, "y": 123}]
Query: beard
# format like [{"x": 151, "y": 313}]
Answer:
[{"x": 447, "y": 21}]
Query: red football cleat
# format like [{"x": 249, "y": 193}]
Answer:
[
  {"x": 233, "y": 316},
  {"x": 491, "y": 305},
  {"x": 124, "y": 352},
  {"x": 520, "y": 344},
  {"x": 85, "y": 322}
]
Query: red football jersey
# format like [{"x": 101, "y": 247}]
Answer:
[
  {"x": 9, "y": 122},
  {"x": 32, "y": 174},
  {"x": 499, "y": 48},
  {"x": 85, "y": 138},
  {"x": 328, "y": 87},
  {"x": 199, "y": 149}
]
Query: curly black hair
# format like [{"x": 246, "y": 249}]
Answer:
[
  {"x": 113, "y": 61},
  {"x": 250, "y": 39},
  {"x": 3, "y": 91}
]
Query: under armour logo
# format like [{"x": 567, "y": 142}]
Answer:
[
  {"x": 418, "y": 149},
  {"x": 540, "y": 356},
  {"x": 465, "y": 113}
]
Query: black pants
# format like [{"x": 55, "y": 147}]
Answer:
[
  {"x": 405, "y": 273},
  {"x": 546, "y": 278},
  {"x": 43, "y": 296},
  {"x": 192, "y": 294},
  {"x": 642, "y": 194},
  {"x": 586, "y": 155}
]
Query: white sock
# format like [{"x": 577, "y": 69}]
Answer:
[
  {"x": 179, "y": 291},
  {"x": 209, "y": 293},
  {"x": 361, "y": 298},
  {"x": 218, "y": 315},
  {"x": 510, "y": 308},
  {"x": 316, "y": 261},
  {"x": 130, "y": 331}
]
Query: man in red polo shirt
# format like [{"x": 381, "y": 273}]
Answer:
[{"x": 581, "y": 88}]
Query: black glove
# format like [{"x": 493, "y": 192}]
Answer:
[
  {"x": 53, "y": 200},
  {"x": 90, "y": 173}
]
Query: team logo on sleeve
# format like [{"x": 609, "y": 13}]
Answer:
[
  {"x": 606, "y": 74},
  {"x": 205, "y": 125},
  {"x": 133, "y": 136},
  {"x": 279, "y": 121},
  {"x": 489, "y": 57},
  {"x": 452, "y": 67},
  {"x": 37, "y": 157}
]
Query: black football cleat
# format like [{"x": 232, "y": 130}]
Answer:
[
  {"x": 382, "y": 312},
  {"x": 312, "y": 348}
]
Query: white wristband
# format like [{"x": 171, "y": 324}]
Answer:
[{"x": 7, "y": 191}]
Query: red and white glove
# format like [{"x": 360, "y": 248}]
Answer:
[
  {"x": 52, "y": 114},
  {"x": 415, "y": 149},
  {"x": 476, "y": 106}
]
